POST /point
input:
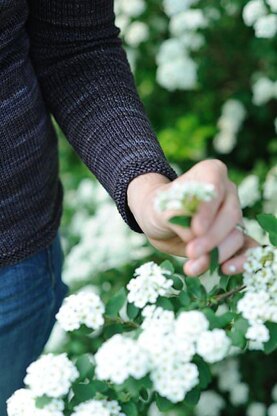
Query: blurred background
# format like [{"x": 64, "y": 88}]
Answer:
[{"x": 206, "y": 74}]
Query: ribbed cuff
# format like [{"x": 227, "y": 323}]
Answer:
[{"x": 127, "y": 175}]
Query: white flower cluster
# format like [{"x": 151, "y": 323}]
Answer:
[
  {"x": 255, "y": 14},
  {"x": 164, "y": 349},
  {"x": 119, "y": 358},
  {"x": 229, "y": 124},
  {"x": 51, "y": 375},
  {"x": 22, "y": 403},
  {"x": 176, "y": 68},
  {"x": 259, "y": 409},
  {"x": 264, "y": 90},
  {"x": 85, "y": 308},
  {"x": 210, "y": 404},
  {"x": 133, "y": 32},
  {"x": 185, "y": 196},
  {"x": 98, "y": 408},
  {"x": 149, "y": 283},
  {"x": 173, "y": 7},
  {"x": 82, "y": 263},
  {"x": 259, "y": 303},
  {"x": 248, "y": 191},
  {"x": 229, "y": 380}
]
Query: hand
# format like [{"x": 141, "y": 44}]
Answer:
[{"x": 214, "y": 225}]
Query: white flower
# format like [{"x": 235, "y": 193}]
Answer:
[
  {"x": 168, "y": 51},
  {"x": 249, "y": 192},
  {"x": 132, "y": 8},
  {"x": 252, "y": 11},
  {"x": 253, "y": 306},
  {"x": 185, "y": 195},
  {"x": 51, "y": 375},
  {"x": 274, "y": 393},
  {"x": 187, "y": 20},
  {"x": 229, "y": 123},
  {"x": 272, "y": 4},
  {"x": 264, "y": 90},
  {"x": 81, "y": 308},
  {"x": 173, "y": 379},
  {"x": 272, "y": 410},
  {"x": 228, "y": 374},
  {"x": 149, "y": 283},
  {"x": 136, "y": 33},
  {"x": 121, "y": 357},
  {"x": 173, "y": 7},
  {"x": 22, "y": 403},
  {"x": 224, "y": 142},
  {"x": 178, "y": 74},
  {"x": 258, "y": 332},
  {"x": 98, "y": 408},
  {"x": 266, "y": 26},
  {"x": 239, "y": 394},
  {"x": 256, "y": 409},
  {"x": 190, "y": 325},
  {"x": 213, "y": 345},
  {"x": 210, "y": 404}
]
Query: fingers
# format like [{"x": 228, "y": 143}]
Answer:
[
  {"x": 235, "y": 264},
  {"x": 232, "y": 243},
  {"x": 225, "y": 221},
  {"x": 215, "y": 173},
  {"x": 196, "y": 267}
]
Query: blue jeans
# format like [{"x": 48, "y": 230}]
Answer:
[{"x": 31, "y": 293}]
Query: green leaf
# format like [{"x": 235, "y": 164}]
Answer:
[
  {"x": 205, "y": 376},
  {"x": 166, "y": 264},
  {"x": 218, "y": 321},
  {"x": 165, "y": 303},
  {"x": 116, "y": 303},
  {"x": 214, "y": 256},
  {"x": 195, "y": 288},
  {"x": 42, "y": 401},
  {"x": 178, "y": 281},
  {"x": 184, "y": 298},
  {"x": 193, "y": 396},
  {"x": 163, "y": 404},
  {"x": 83, "y": 392},
  {"x": 237, "y": 333},
  {"x": 269, "y": 223},
  {"x": 144, "y": 394},
  {"x": 271, "y": 345},
  {"x": 181, "y": 220},
  {"x": 130, "y": 409},
  {"x": 84, "y": 366},
  {"x": 224, "y": 281},
  {"x": 273, "y": 239},
  {"x": 132, "y": 311}
]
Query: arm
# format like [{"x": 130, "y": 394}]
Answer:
[{"x": 87, "y": 84}]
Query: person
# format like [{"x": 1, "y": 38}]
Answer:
[{"x": 65, "y": 58}]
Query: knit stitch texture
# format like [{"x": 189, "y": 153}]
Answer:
[{"x": 65, "y": 57}]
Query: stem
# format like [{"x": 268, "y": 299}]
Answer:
[
  {"x": 110, "y": 320},
  {"x": 220, "y": 298}
]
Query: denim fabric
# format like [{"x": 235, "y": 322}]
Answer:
[{"x": 31, "y": 293}]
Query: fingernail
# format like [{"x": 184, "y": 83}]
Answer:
[
  {"x": 232, "y": 268},
  {"x": 195, "y": 267}
]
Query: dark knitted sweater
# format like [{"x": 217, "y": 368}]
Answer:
[{"x": 64, "y": 57}]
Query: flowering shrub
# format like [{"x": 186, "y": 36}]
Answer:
[{"x": 155, "y": 344}]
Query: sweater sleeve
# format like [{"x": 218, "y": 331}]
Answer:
[{"x": 88, "y": 86}]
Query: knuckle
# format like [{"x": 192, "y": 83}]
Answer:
[{"x": 222, "y": 168}]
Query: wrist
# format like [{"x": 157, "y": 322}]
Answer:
[{"x": 139, "y": 190}]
